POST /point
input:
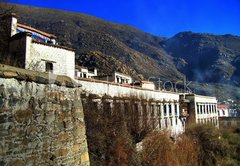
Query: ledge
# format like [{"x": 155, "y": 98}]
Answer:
[
  {"x": 201, "y": 96},
  {"x": 54, "y": 45},
  {"x": 35, "y": 76},
  {"x": 122, "y": 85}
]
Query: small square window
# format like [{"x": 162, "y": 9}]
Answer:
[{"x": 49, "y": 67}]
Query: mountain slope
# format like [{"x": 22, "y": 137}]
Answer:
[
  {"x": 107, "y": 46},
  {"x": 206, "y": 57}
]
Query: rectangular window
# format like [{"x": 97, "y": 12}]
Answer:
[
  {"x": 170, "y": 109},
  {"x": 122, "y": 80},
  {"x": 176, "y": 109},
  {"x": 176, "y": 120},
  {"x": 49, "y": 67},
  {"x": 165, "y": 110}
]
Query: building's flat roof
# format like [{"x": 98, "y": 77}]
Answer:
[
  {"x": 196, "y": 95},
  {"x": 36, "y": 30},
  {"x": 222, "y": 106},
  {"x": 122, "y": 74},
  {"x": 80, "y": 67},
  {"x": 110, "y": 75},
  {"x": 123, "y": 85},
  {"x": 147, "y": 82}
]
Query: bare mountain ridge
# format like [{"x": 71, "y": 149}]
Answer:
[
  {"x": 110, "y": 46},
  {"x": 105, "y": 45},
  {"x": 206, "y": 57}
]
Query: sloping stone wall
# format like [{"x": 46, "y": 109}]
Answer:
[{"x": 40, "y": 124}]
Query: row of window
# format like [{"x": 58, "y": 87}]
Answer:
[
  {"x": 167, "y": 110},
  {"x": 206, "y": 109},
  {"x": 122, "y": 80},
  {"x": 161, "y": 123}
]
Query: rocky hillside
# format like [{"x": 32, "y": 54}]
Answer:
[
  {"x": 105, "y": 45},
  {"x": 206, "y": 57}
]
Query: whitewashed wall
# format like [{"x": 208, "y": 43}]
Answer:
[
  {"x": 117, "y": 90},
  {"x": 223, "y": 112},
  {"x": 208, "y": 103},
  {"x": 101, "y": 88},
  {"x": 64, "y": 60}
]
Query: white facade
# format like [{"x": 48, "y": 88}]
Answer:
[
  {"x": 165, "y": 105},
  {"x": 223, "y": 111},
  {"x": 201, "y": 109},
  {"x": 122, "y": 78},
  {"x": 39, "y": 56},
  {"x": 84, "y": 72},
  {"x": 116, "y": 77},
  {"x": 148, "y": 85}
]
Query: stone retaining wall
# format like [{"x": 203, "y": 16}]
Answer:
[{"x": 40, "y": 123}]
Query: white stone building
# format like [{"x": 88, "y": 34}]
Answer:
[
  {"x": 223, "y": 110},
  {"x": 161, "y": 106},
  {"x": 116, "y": 77},
  {"x": 144, "y": 84},
  {"x": 84, "y": 72},
  {"x": 201, "y": 109},
  {"x": 36, "y": 50}
]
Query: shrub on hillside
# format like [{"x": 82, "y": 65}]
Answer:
[
  {"x": 160, "y": 150},
  {"x": 213, "y": 148}
]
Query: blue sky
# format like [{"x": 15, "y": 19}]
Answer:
[{"x": 159, "y": 17}]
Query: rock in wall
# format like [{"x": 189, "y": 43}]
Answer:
[{"x": 40, "y": 124}]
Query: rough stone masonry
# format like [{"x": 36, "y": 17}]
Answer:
[{"x": 40, "y": 123}]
